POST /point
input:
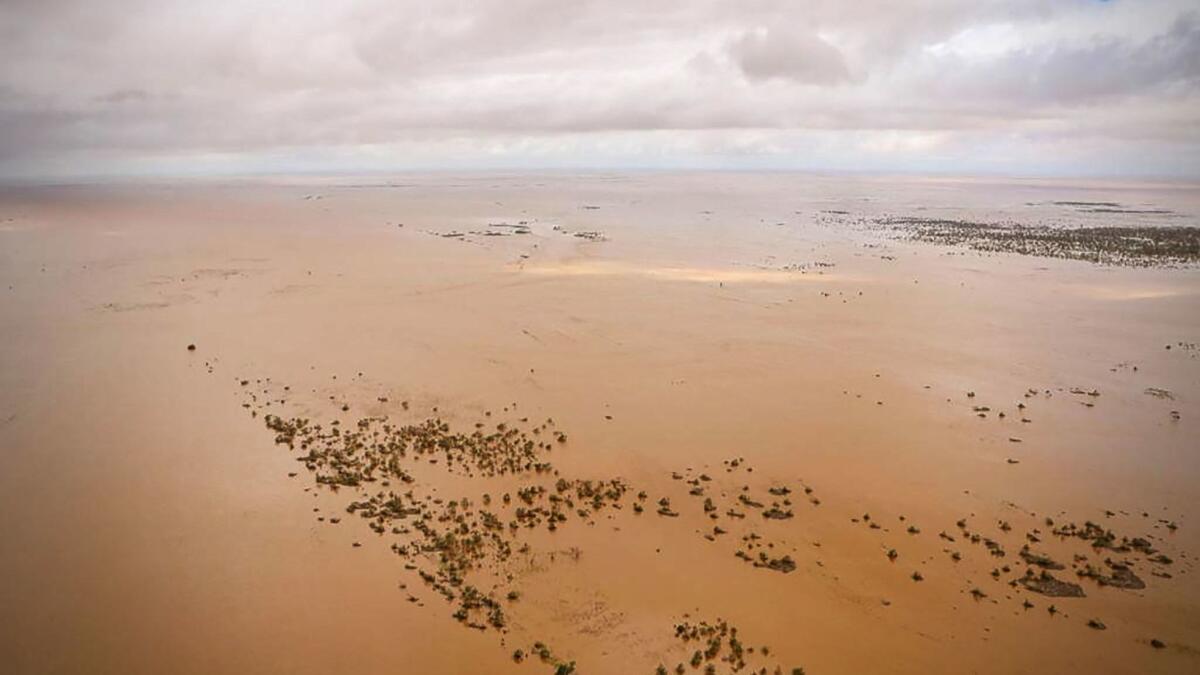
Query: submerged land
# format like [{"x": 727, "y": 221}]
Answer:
[{"x": 600, "y": 423}]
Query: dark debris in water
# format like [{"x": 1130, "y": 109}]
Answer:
[
  {"x": 455, "y": 544},
  {"x": 720, "y": 643},
  {"x": 1049, "y": 585},
  {"x": 1132, "y": 246}
]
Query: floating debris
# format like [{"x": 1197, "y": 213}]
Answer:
[
  {"x": 449, "y": 542},
  {"x": 721, "y": 642},
  {"x": 1043, "y": 561},
  {"x": 1046, "y": 584},
  {"x": 1133, "y": 246}
]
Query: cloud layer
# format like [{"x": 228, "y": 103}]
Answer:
[{"x": 1021, "y": 86}]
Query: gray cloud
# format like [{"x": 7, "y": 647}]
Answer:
[
  {"x": 1103, "y": 68},
  {"x": 803, "y": 57},
  {"x": 98, "y": 86}
]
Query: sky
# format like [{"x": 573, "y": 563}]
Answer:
[{"x": 1017, "y": 87}]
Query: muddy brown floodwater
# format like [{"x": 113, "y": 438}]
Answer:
[{"x": 598, "y": 423}]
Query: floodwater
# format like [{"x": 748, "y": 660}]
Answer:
[{"x": 149, "y": 522}]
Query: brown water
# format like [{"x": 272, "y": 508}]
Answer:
[{"x": 149, "y": 524}]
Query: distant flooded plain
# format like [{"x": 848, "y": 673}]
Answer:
[{"x": 600, "y": 423}]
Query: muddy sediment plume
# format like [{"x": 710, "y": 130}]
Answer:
[{"x": 728, "y": 323}]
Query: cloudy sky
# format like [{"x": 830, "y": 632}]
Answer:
[{"x": 113, "y": 87}]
